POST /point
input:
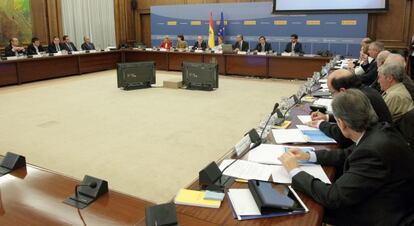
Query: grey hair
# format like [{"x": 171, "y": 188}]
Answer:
[
  {"x": 355, "y": 109},
  {"x": 396, "y": 70},
  {"x": 378, "y": 45}
]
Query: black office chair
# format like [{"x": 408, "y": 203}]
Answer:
[{"x": 405, "y": 125}]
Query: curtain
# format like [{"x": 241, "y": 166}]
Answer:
[{"x": 93, "y": 18}]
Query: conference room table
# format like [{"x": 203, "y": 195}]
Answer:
[
  {"x": 34, "y": 196},
  {"x": 23, "y": 70}
]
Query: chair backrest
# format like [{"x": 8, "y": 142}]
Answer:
[{"x": 406, "y": 127}]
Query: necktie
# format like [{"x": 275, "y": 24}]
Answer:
[
  {"x": 57, "y": 48},
  {"x": 70, "y": 47},
  {"x": 37, "y": 50}
]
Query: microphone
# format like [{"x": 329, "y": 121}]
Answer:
[
  {"x": 256, "y": 143},
  {"x": 91, "y": 185},
  {"x": 267, "y": 122},
  {"x": 293, "y": 105}
]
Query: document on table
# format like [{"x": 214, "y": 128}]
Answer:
[
  {"x": 324, "y": 102},
  {"x": 270, "y": 153},
  {"x": 246, "y": 170},
  {"x": 304, "y": 118},
  {"x": 243, "y": 202},
  {"x": 283, "y": 136},
  {"x": 280, "y": 175}
]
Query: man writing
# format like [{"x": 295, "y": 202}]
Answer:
[{"x": 375, "y": 187}]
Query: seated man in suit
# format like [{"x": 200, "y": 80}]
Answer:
[
  {"x": 355, "y": 66},
  {"x": 395, "y": 95},
  {"x": 376, "y": 185},
  {"x": 13, "y": 49},
  {"x": 240, "y": 44},
  {"x": 294, "y": 46},
  {"x": 263, "y": 46},
  {"x": 339, "y": 81},
  {"x": 200, "y": 44},
  {"x": 55, "y": 46},
  {"x": 87, "y": 44},
  {"x": 166, "y": 43},
  {"x": 407, "y": 81},
  {"x": 371, "y": 70},
  {"x": 68, "y": 45},
  {"x": 35, "y": 48}
]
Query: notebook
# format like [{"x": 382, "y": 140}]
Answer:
[{"x": 195, "y": 198}]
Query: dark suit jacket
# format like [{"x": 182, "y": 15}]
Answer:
[
  {"x": 32, "y": 51},
  {"x": 268, "y": 47},
  {"x": 244, "y": 47},
  {"x": 370, "y": 75},
  {"x": 376, "y": 187},
  {"x": 380, "y": 107},
  {"x": 203, "y": 45},
  {"x": 66, "y": 47},
  {"x": 52, "y": 48},
  {"x": 298, "y": 47},
  {"x": 8, "y": 52},
  {"x": 85, "y": 46}
]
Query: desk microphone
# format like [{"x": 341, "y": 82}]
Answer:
[
  {"x": 91, "y": 185},
  {"x": 293, "y": 105},
  {"x": 257, "y": 143},
  {"x": 268, "y": 120}
]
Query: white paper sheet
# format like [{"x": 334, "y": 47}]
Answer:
[
  {"x": 270, "y": 153},
  {"x": 325, "y": 102},
  {"x": 243, "y": 202},
  {"x": 304, "y": 118},
  {"x": 246, "y": 170},
  {"x": 283, "y": 136},
  {"x": 280, "y": 175}
]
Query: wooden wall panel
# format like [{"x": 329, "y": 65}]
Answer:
[
  {"x": 146, "y": 29},
  {"x": 394, "y": 28}
]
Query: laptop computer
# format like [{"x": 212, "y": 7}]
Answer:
[{"x": 227, "y": 48}]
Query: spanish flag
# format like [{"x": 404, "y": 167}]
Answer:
[{"x": 211, "y": 43}]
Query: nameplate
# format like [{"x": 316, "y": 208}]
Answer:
[
  {"x": 242, "y": 52},
  {"x": 148, "y": 49},
  {"x": 12, "y": 58},
  {"x": 262, "y": 53},
  {"x": 92, "y": 51},
  {"x": 242, "y": 145},
  {"x": 36, "y": 56},
  {"x": 163, "y": 50},
  {"x": 219, "y": 52},
  {"x": 57, "y": 54},
  {"x": 198, "y": 51},
  {"x": 286, "y": 54}
]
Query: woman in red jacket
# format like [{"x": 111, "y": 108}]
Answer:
[{"x": 167, "y": 43}]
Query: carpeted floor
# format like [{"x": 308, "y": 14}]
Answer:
[{"x": 147, "y": 143}]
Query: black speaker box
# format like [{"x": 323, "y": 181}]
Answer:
[{"x": 11, "y": 162}]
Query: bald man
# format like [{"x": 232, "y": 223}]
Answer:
[
  {"x": 339, "y": 81},
  {"x": 408, "y": 83}
]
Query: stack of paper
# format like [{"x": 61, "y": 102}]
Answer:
[{"x": 195, "y": 198}]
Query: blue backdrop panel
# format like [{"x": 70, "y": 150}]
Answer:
[{"x": 338, "y": 33}]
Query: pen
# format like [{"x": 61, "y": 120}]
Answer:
[{"x": 241, "y": 180}]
